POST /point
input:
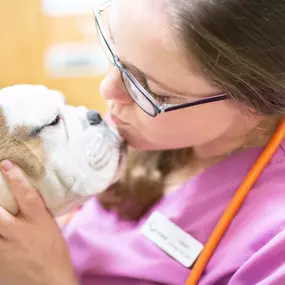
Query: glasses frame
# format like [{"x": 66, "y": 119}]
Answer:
[{"x": 158, "y": 108}]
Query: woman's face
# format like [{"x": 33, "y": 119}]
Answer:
[{"x": 143, "y": 39}]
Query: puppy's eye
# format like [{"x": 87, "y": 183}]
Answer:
[
  {"x": 54, "y": 122},
  {"x": 37, "y": 130}
]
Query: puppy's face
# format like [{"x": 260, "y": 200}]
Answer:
[{"x": 67, "y": 153}]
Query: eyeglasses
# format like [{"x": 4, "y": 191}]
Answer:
[{"x": 135, "y": 83}]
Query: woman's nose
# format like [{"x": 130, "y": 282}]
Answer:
[{"x": 113, "y": 88}]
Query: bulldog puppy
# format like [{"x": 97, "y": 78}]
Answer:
[{"x": 67, "y": 153}]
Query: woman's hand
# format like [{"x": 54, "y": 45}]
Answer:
[{"x": 32, "y": 249}]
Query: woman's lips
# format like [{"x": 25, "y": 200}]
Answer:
[{"x": 116, "y": 120}]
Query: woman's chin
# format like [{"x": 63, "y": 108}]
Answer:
[
  {"x": 133, "y": 139},
  {"x": 141, "y": 145},
  {"x": 138, "y": 144}
]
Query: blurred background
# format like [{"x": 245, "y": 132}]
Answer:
[{"x": 53, "y": 42}]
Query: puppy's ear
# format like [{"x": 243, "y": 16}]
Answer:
[
  {"x": 30, "y": 158},
  {"x": 25, "y": 151}
]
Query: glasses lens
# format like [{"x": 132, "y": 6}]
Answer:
[
  {"x": 138, "y": 97},
  {"x": 102, "y": 21}
]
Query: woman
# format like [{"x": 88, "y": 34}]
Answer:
[{"x": 197, "y": 90}]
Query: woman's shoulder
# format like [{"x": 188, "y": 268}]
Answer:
[{"x": 252, "y": 249}]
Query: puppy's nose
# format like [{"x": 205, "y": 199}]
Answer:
[{"x": 94, "y": 117}]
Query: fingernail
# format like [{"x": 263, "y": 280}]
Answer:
[{"x": 6, "y": 165}]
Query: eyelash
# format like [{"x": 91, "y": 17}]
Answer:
[
  {"x": 159, "y": 98},
  {"x": 53, "y": 123}
]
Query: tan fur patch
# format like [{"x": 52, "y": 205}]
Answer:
[{"x": 21, "y": 148}]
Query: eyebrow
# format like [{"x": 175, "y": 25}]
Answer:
[{"x": 147, "y": 76}]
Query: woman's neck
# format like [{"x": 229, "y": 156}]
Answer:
[{"x": 206, "y": 156}]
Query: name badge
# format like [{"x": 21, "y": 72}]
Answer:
[{"x": 171, "y": 239}]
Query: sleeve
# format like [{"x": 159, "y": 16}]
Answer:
[{"x": 264, "y": 267}]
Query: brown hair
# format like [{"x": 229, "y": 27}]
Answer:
[{"x": 240, "y": 47}]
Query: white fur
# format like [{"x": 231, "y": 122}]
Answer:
[{"x": 81, "y": 160}]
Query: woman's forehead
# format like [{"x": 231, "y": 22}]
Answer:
[
  {"x": 145, "y": 39},
  {"x": 140, "y": 21}
]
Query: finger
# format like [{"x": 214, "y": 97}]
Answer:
[
  {"x": 8, "y": 224},
  {"x": 27, "y": 197}
]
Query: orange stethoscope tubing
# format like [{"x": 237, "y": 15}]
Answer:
[{"x": 235, "y": 204}]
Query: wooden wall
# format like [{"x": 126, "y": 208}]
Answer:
[{"x": 26, "y": 35}]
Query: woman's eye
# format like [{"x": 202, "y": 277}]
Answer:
[
  {"x": 161, "y": 99},
  {"x": 54, "y": 122}
]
